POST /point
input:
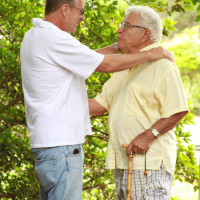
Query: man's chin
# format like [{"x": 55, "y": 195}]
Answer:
[
  {"x": 74, "y": 30},
  {"x": 121, "y": 47}
]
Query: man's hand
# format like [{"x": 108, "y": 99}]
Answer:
[
  {"x": 141, "y": 143},
  {"x": 160, "y": 52}
]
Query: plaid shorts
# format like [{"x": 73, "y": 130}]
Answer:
[{"x": 154, "y": 186}]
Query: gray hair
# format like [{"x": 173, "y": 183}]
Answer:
[{"x": 148, "y": 19}]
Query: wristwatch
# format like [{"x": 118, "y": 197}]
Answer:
[
  {"x": 116, "y": 47},
  {"x": 154, "y": 132}
]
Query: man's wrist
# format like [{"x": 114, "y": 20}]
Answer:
[
  {"x": 116, "y": 47},
  {"x": 154, "y": 132},
  {"x": 148, "y": 55}
]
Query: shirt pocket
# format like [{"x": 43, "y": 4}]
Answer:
[{"x": 142, "y": 102}]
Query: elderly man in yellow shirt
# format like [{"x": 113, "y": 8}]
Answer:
[{"x": 144, "y": 103}]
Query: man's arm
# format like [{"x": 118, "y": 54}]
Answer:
[
  {"x": 107, "y": 50},
  {"x": 95, "y": 108},
  {"x": 120, "y": 62},
  {"x": 142, "y": 142}
]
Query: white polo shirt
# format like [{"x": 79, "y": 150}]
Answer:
[{"x": 54, "y": 66}]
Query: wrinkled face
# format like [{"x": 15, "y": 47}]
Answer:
[
  {"x": 130, "y": 39},
  {"x": 75, "y": 16}
]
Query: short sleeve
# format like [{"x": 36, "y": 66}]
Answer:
[
  {"x": 108, "y": 92},
  {"x": 70, "y": 54},
  {"x": 171, "y": 94}
]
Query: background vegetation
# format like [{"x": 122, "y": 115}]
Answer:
[{"x": 17, "y": 179}]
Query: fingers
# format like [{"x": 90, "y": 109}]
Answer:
[
  {"x": 135, "y": 150},
  {"x": 160, "y": 52},
  {"x": 168, "y": 54},
  {"x": 141, "y": 143}
]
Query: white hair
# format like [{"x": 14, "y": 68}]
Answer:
[{"x": 148, "y": 19}]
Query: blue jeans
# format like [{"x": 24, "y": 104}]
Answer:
[{"x": 60, "y": 172}]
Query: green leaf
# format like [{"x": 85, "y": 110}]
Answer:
[
  {"x": 197, "y": 19},
  {"x": 194, "y": 2}
]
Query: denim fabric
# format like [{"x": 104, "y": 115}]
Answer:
[{"x": 60, "y": 172}]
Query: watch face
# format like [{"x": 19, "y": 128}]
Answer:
[{"x": 155, "y": 132}]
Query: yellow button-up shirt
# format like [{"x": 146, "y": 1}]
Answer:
[{"x": 136, "y": 99}]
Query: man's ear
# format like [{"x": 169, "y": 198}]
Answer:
[
  {"x": 64, "y": 8},
  {"x": 147, "y": 34}
]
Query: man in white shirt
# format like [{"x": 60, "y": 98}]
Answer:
[
  {"x": 54, "y": 66},
  {"x": 144, "y": 103}
]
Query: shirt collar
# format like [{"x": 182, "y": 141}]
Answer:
[
  {"x": 38, "y": 22},
  {"x": 151, "y": 46}
]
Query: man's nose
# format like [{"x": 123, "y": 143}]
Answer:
[
  {"x": 82, "y": 18},
  {"x": 120, "y": 30}
]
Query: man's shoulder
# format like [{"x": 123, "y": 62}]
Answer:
[
  {"x": 163, "y": 61},
  {"x": 158, "y": 69},
  {"x": 164, "y": 64},
  {"x": 117, "y": 75}
]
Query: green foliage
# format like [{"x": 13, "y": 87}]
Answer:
[
  {"x": 174, "y": 198},
  {"x": 186, "y": 165},
  {"x": 16, "y": 172},
  {"x": 197, "y": 4},
  {"x": 16, "y": 161},
  {"x": 99, "y": 29},
  {"x": 101, "y": 22}
]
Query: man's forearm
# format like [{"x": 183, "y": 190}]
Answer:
[
  {"x": 107, "y": 50},
  {"x": 143, "y": 141},
  {"x": 120, "y": 62},
  {"x": 165, "y": 124},
  {"x": 95, "y": 108},
  {"x": 115, "y": 63}
]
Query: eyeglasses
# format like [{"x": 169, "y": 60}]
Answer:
[
  {"x": 81, "y": 10},
  {"x": 126, "y": 25}
]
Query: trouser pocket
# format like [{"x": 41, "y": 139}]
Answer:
[{"x": 45, "y": 170}]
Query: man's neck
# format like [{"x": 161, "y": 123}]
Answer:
[
  {"x": 137, "y": 49},
  {"x": 56, "y": 20}
]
